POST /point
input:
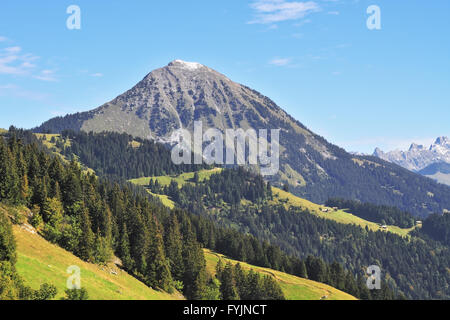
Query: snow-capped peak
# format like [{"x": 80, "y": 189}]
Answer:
[
  {"x": 186, "y": 65},
  {"x": 418, "y": 156},
  {"x": 416, "y": 146},
  {"x": 443, "y": 141}
]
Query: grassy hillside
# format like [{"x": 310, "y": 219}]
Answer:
[
  {"x": 280, "y": 196},
  {"x": 181, "y": 179},
  {"x": 40, "y": 261},
  {"x": 165, "y": 199},
  {"x": 294, "y": 288},
  {"x": 341, "y": 216},
  {"x": 46, "y": 139}
]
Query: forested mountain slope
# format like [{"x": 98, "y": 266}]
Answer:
[
  {"x": 96, "y": 219},
  {"x": 40, "y": 261},
  {"x": 239, "y": 199},
  {"x": 242, "y": 201}
]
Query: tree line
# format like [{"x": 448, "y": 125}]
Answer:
[
  {"x": 385, "y": 215},
  {"x": 113, "y": 154},
  {"x": 436, "y": 227}
]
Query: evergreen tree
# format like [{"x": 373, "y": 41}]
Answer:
[
  {"x": 76, "y": 294},
  {"x": 228, "y": 288},
  {"x": 174, "y": 248},
  {"x": 158, "y": 269},
  {"x": 271, "y": 289},
  {"x": 86, "y": 249},
  {"x": 124, "y": 250},
  {"x": 195, "y": 276}
]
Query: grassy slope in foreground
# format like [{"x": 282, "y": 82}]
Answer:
[
  {"x": 40, "y": 261},
  {"x": 294, "y": 288},
  {"x": 339, "y": 216}
]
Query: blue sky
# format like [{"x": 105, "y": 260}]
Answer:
[{"x": 359, "y": 88}]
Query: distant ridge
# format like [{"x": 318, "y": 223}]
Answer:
[
  {"x": 418, "y": 156},
  {"x": 432, "y": 161}
]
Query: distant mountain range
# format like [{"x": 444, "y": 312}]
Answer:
[
  {"x": 433, "y": 162},
  {"x": 174, "y": 97}
]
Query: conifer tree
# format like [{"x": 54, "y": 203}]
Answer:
[
  {"x": 271, "y": 290},
  {"x": 124, "y": 250},
  {"x": 174, "y": 248},
  {"x": 86, "y": 243},
  {"x": 195, "y": 277},
  {"x": 228, "y": 288},
  {"x": 158, "y": 269},
  {"x": 72, "y": 192}
]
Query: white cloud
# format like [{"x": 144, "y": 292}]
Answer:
[
  {"x": 303, "y": 22},
  {"x": 6, "y": 66},
  {"x": 3, "y": 39},
  {"x": 16, "y": 91},
  {"x": 4, "y": 87},
  {"x": 46, "y": 75},
  {"x": 27, "y": 64},
  {"x": 272, "y": 11},
  {"x": 335, "y": 13},
  {"x": 13, "y": 50},
  {"x": 97, "y": 75},
  {"x": 12, "y": 62},
  {"x": 280, "y": 62}
]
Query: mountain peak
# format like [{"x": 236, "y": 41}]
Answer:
[
  {"x": 442, "y": 141},
  {"x": 378, "y": 152},
  {"x": 418, "y": 156},
  {"x": 415, "y": 146},
  {"x": 186, "y": 65}
]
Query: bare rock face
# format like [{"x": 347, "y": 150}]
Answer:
[{"x": 175, "y": 96}]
